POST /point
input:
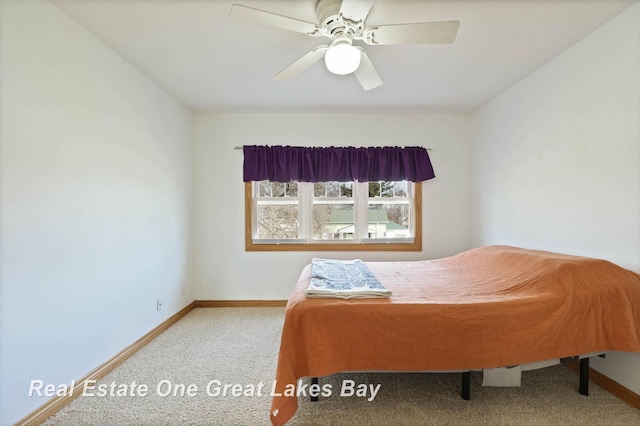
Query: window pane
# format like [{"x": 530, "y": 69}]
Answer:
[
  {"x": 264, "y": 188},
  {"x": 400, "y": 189},
  {"x": 333, "y": 189},
  {"x": 346, "y": 189},
  {"x": 278, "y": 189},
  {"x": 268, "y": 189},
  {"x": 386, "y": 189},
  {"x": 277, "y": 221},
  {"x": 333, "y": 221},
  {"x": 292, "y": 189},
  {"x": 319, "y": 189},
  {"x": 389, "y": 220},
  {"x": 374, "y": 189}
]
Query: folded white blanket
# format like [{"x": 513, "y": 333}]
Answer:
[{"x": 345, "y": 279}]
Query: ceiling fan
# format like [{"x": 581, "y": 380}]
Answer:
[{"x": 343, "y": 21}]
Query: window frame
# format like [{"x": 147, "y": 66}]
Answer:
[{"x": 373, "y": 245}]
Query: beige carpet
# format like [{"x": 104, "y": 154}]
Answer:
[{"x": 240, "y": 346}]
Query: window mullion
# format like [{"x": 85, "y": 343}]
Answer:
[
  {"x": 305, "y": 209},
  {"x": 361, "y": 200}
]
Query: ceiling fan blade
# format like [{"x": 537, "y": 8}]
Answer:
[
  {"x": 273, "y": 20},
  {"x": 366, "y": 73},
  {"x": 420, "y": 33},
  {"x": 302, "y": 63},
  {"x": 356, "y": 10}
]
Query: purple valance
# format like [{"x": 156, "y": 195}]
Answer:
[{"x": 342, "y": 164}]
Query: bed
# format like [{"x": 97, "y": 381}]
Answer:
[{"x": 489, "y": 307}]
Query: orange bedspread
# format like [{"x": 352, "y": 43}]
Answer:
[{"x": 488, "y": 307}]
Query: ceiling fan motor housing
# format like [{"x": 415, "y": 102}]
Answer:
[
  {"x": 326, "y": 9},
  {"x": 328, "y": 13}
]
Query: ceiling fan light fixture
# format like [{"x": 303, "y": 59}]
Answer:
[{"x": 342, "y": 58}]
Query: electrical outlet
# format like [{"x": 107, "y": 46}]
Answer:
[{"x": 159, "y": 304}]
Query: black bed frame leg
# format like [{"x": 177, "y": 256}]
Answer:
[
  {"x": 466, "y": 385},
  {"x": 584, "y": 376},
  {"x": 314, "y": 381}
]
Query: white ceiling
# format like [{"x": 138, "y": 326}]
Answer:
[{"x": 212, "y": 62}]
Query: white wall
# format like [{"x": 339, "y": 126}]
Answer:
[
  {"x": 96, "y": 195},
  {"x": 225, "y": 271},
  {"x": 556, "y": 159}
]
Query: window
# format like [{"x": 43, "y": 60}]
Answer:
[
  {"x": 334, "y": 198},
  {"x": 335, "y": 216}
]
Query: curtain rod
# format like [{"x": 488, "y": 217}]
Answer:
[{"x": 239, "y": 147}]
